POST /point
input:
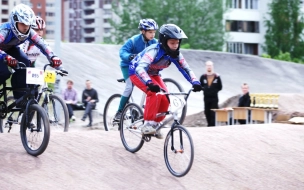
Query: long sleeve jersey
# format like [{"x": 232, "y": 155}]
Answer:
[
  {"x": 9, "y": 40},
  {"x": 31, "y": 51},
  {"x": 154, "y": 59},
  {"x": 133, "y": 45}
]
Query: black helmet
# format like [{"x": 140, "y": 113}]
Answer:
[{"x": 170, "y": 31}]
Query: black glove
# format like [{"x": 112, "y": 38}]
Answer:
[
  {"x": 153, "y": 87},
  {"x": 197, "y": 87},
  {"x": 64, "y": 72},
  {"x": 131, "y": 57}
]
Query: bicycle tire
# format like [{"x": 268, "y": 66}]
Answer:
[
  {"x": 176, "y": 132},
  {"x": 32, "y": 133},
  {"x": 13, "y": 115},
  {"x": 180, "y": 88},
  {"x": 54, "y": 116},
  {"x": 133, "y": 112},
  {"x": 107, "y": 114},
  {"x": 1, "y": 125}
]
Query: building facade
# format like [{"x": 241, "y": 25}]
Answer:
[
  {"x": 87, "y": 20},
  {"x": 244, "y": 23}
]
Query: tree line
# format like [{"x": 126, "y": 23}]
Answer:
[{"x": 202, "y": 21}]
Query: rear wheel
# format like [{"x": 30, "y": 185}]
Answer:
[
  {"x": 57, "y": 112},
  {"x": 174, "y": 86},
  {"x": 1, "y": 125},
  {"x": 130, "y": 127},
  {"x": 109, "y": 112},
  {"x": 35, "y": 133}
]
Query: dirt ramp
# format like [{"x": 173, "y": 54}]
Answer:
[{"x": 230, "y": 157}]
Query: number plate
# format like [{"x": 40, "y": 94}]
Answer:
[
  {"x": 34, "y": 76},
  {"x": 50, "y": 76}
]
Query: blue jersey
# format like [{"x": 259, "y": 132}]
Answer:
[
  {"x": 9, "y": 40},
  {"x": 133, "y": 45},
  {"x": 154, "y": 59}
]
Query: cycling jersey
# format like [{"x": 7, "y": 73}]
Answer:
[
  {"x": 153, "y": 59},
  {"x": 31, "y": 51},
  {"x": 134, "y": 45},
  {"x": 9, "y": 40}
]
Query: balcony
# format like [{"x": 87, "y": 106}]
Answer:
[
  {"x": 89, "y": 16},
  {"x": 90, "y": 7},
  {"x": 245, "y": 37},
  {"x": 91, "y": 25},
  {"x": 87, "y": 35}
]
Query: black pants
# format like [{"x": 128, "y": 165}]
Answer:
[
  {"x": 88, "y": 111},
  {"x": 210, "y": 103},
  {"x": 18, "y": 79}
]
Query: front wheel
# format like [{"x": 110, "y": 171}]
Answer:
[
  {"x": 178, "y": 151},
  {"x": 1, "y": 125},
  {"x": 35, "y": 133},
  {"x": 57, "y": 112},
  {"x": 130, "y": 127}
]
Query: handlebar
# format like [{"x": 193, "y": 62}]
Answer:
[{"x": 58, "y": 72}]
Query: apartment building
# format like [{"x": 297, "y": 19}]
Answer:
[
  {"x": 244, "y": 23},
  {"x": 87, "y": 20},
  {"x": 6, "y": 7}
]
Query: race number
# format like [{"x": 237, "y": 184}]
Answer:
[
  {"x": 50, "y": 76},
  {"x": 34, "y": 76}
]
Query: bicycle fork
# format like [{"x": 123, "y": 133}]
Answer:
[{"x": 181, "y": 150}]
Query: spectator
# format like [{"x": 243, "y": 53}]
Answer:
[
  {"x": 70, "y": 98},
  {"x": 212, "y": 84},
  {"x": 89, "y": 99},
  {"x": 244, "y": 101}
]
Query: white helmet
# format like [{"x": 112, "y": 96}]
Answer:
[{"x": 23, "y": 14}]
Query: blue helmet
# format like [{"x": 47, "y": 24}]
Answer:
[{"x": 147, "y": 24}]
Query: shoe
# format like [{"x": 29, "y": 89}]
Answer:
[
  {"x": 89, "y": 125},
  {"x": 117, "y": 116},
  {"x": 148, "y": 129},
  {"x": 73, "y": 118},
  {"x": 159, "y": 134},
  {"x": 82, "y": 119}
]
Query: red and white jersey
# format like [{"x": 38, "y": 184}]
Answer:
[{"x": 30, "y": 50}]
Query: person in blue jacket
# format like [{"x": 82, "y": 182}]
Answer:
[
  {"x": 128, "y": 51},
  {"x": 14, "y": 33}
]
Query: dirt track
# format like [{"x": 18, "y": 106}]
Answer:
[{"x": 226, "y": 157}]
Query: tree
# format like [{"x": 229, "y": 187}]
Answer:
[
  {"x": 284, "y": 29},
  {"x": 201, "y": 20}
]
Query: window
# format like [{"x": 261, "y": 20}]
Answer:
[
  {"x": 4, "y": 20},
  {"x": 49, "y": 14},
  {"x": 4, "y": 2},
  {"x": 49, "y": 5},
  {"x": 235, "y": 47},
  {"x": 242, "y": 48},
  {"x": 50, "y": 32},
  {"x": 39, "y": 14},
  {"x": 251, "y": 49},
  {"x": 38, "y": 6},
  {"x": 251, "y": 4},
  {"x": 107, "y": 30},
  {"x": 105, "y": 20},
  {"x": 242, "y": 26},
  {"x": 4, "y": 11},
  {"x": 49, "y": 23},
  {"x": 236, "y": 4}
]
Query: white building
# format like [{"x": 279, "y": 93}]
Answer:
[
  {"x": 6, "y": 7},
  {"x": 244, "y": 22}
]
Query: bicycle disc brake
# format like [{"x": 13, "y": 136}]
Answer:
[{"x": 3, "y": 110}]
